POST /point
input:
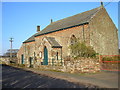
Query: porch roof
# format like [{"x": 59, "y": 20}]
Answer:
[{"x": 53, "y": 42}]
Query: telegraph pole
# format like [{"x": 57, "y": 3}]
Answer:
[{"x": 11, "y": 40}]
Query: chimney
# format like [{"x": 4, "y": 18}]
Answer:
[
  {"x": 38, "y": 28},
  {"x": 51, "y": 20},
  {"x": 101, "y": 3}
]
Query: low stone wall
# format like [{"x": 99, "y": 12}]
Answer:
[
  {"x": 82, "y": 65},
  {"x": 4, "y": 60}
]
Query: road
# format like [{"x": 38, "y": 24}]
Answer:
[{"x": 18, "y": 78}]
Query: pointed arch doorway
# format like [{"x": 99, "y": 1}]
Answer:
[{"x": 45, "y": 62}]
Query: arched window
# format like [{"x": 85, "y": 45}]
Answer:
[
  {"x": 73, "y": 40},
  {"x": 40, "y": 54}
]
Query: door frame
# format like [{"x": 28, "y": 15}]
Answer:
[
  {"x": 22, "y": 59},
  {"x": 30, "y": 61},
  {"x": 45, "y": 61}
]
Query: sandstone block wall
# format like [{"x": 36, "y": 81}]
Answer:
[
  {"x": 100, "y": 33},
  {"x": 19, "y": 53},
  {"x": 5, "y": 60},
  {"x": 29, "y": 51},
  {"x": 63, "y": 38},
  {"x": 103, "y": 34},
  {"x": 83, "y": 65}
]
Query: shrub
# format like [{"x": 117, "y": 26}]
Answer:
[
  {"x": 22, "y": 65},
  {"x": 112, "y": 58},
  {"x": 106, "y": 59},
  {"x": 116, "y": 58},
  {"x": 81, "y": 50}
]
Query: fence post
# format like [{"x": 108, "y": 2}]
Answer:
[
  {"x": 100, "y": 61},
  {"x": 100, "y": 58}
]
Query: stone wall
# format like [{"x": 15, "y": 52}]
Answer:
[
  {"x": 82, "y": 65},
  {"x": 103, "y": 34},
  {"x": 63, "y": 38},
  {"x": 100, "y": 33},
  {"x": 5, "y": 60},
  {"x": 19, "y": 53},
  {"x": 28, "y": 52}
]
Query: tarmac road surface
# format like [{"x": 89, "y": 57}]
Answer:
[{"x": 18, "y": 78}]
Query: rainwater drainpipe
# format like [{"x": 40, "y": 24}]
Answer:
[
  {"x": 52, "y": 59},
  {"x": 25, "y": 62},
  {"x": 61, "y": 56},
  {"x": 83, "y": 34}
]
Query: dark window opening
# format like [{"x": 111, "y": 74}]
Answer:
[
  {"x": 57, "y": 55},
  {"x": 73, "y": 40}
]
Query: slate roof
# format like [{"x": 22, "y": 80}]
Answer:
[
  {"x": 68, "y": 22},
  {"x": 53, "y": 42},
  {"x": 30, "y": 39}
]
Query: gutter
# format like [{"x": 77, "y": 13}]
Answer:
[
  {"x": 29, "y": 41},
  {"x": 61, "y": 29},
  {"x": 56, "y": 31}
]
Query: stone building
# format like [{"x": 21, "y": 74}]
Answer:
[
  {"x": 6, "y": 56},
  {"x": 94, "y": 27},
  {"x": 13, "y": 51}
]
